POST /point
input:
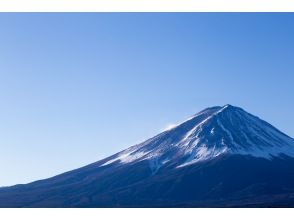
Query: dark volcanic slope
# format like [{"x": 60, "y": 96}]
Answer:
[{"x": 220, "y": 157}]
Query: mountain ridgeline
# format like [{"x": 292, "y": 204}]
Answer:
[{"x": 220, "y": 157}]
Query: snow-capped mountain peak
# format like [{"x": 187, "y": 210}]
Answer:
[{"x": 209, "y": 134}]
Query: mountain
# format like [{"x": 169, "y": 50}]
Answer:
[{"x": 220, "y": 157}]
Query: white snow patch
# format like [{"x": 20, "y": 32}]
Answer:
[
  {"x": 127, "y": 157},
  {"x": 268, "y": 152},
  {"x": 228, "y": 133},
  {"x": 204, "y": 153},
  {"x": 212, "y": 131}
]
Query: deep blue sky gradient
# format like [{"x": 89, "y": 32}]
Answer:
[{"x": 75, "y": 88}]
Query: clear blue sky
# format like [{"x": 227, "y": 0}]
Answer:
[{"x": 75, "y": 88}]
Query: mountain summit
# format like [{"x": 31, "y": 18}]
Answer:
[
  {"x": 220, "y": 157},
  {"x": 211, "y": 133}
]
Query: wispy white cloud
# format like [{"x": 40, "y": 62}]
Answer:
[{"x": 169, "y": 127}]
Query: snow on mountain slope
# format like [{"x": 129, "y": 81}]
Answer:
[{"x": 210, "y": 133}]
